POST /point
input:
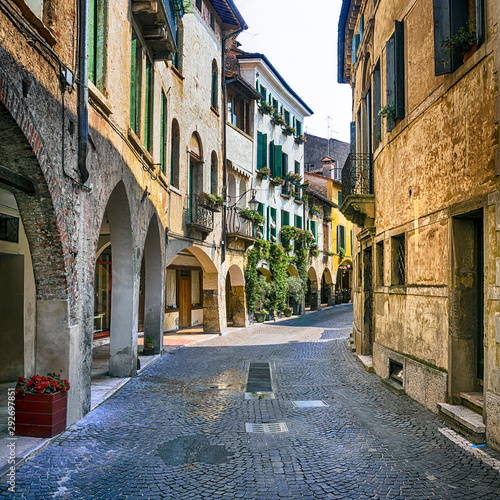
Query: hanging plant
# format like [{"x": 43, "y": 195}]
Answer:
[
  {"x": 461, "y": 42},
  {"x": 211, "y": 200},
  {"x": 278, "y": 118},
  {"x": 252, "y": 216},
  {"x": 300, "y": 139},
  {"x": 315, "y": 210},
  {"x": 293, "y": 177},
  {"x": 265, "y": 107},
  {"x": 342, "y": 252},
  {"x": 314, "y": 250},
  {"x": 263, "y": 172},
  {"x": 277, "y": 181},
  {"x": 288, "y": 130}
]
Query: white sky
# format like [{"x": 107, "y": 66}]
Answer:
[{"x": 300, "y": 40}]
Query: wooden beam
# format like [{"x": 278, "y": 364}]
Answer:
[{"x": 12, "y": 179}]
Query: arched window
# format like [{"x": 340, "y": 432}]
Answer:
[
  {"x": 174, "y": 155},
  {"x": 215, "y": 81},
  {"x": 214, "y": 173}
]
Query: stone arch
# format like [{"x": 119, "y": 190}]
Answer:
[
  {"x": 214, "y": 314},
  {"x": 292, "y": 270},
  {"x": 312, "y": 296},
  {"x": 242, "y": 198},
  {"x": 236, "y": 306},
  {"x": 231, "y": 187},
  {"x": 154, "y": 289},
  {"x": 196, "y": 146},
  {"x": 327, "y": 289},
  {"x": 123, "y": 332}
]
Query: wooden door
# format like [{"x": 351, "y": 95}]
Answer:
[{"x": 185, "y": 300}]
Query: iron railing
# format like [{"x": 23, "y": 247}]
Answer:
[
  {"x": 357, "y": 175},
  {"x": 199, "y": 213},
  {"x": 238, "y": 225}
]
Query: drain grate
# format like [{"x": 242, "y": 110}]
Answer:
[
  {"x": 259, "y": 378},
  {"x": 310, "y": 404},
  {"x": 257, "y": 396},
  {"x": 273, "y": 428}
]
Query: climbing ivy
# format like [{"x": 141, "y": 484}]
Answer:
[
  {"x": 278, "y": 263},
  {"x": 259, "y": 251}
]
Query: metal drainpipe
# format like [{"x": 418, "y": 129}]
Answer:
[
  {"x": 224, "y": 136},
  {"x": 83, "y": 91}
]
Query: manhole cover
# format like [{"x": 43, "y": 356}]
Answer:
[
  {"x": 213, "y": 387},
  {"x": 309, "y": 404},
  {"x": 190, "y": 449},
  {"x": 257, "y": 396},
  {"x": 274, "y": 428}
]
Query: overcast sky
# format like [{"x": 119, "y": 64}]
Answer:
[{"x": 300, "y": 40}]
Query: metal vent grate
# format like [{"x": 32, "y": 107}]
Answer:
[
  {"x": 318, "y": 403},
  {"x": 400, "y": 260},
  {"x": 257, "y": 396},
  {"x": 273, "y": 428}
]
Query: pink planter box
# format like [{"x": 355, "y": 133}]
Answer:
[{"x": 41, "y": 415}]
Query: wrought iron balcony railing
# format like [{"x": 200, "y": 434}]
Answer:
[
  {"x": 237, "y": 225},
  {"x": 200, "y": 215},
  {"x": 357, "y": 175}
]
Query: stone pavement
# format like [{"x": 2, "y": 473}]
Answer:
[{"x": 178, "y": 430}]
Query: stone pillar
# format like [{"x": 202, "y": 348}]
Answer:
[
  {"x": 212, "y": 322},
  {"x": 240, "y": 317}
]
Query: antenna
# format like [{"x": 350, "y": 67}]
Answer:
[{"x": 328, "y": 118}]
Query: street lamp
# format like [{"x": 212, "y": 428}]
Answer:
[{"x": 253, "y": 201}]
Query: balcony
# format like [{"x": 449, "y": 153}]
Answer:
[
  {"x": 239, "y": 229},
  {"x": 158, "y": 20},
  {"x": 358, "y": 195},
  {"x": 201, "y": 217}
]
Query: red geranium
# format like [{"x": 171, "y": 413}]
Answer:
[{"x": 41, "y": 385}]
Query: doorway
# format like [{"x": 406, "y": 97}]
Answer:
[
  {"x": 185, "y": 298},
  {"x": 368, "y": 301},
  {"x": 467, "y": 304}
]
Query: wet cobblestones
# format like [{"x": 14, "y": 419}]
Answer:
[{"x": 367, "y": 444}]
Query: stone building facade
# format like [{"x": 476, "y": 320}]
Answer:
[
  {"x": 421, "y": 183},
  {"x": 110, "y": 231}
]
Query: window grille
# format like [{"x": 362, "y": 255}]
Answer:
[
  {"x": 399, "y": 260},
  {"x": 9, "y": 228}
]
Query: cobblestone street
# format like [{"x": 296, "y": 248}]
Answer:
[{"x": 177, "y": 430}]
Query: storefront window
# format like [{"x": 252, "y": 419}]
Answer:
[
  {"x": 195, "y": 288},
  {"x": 171, "y": 289}
]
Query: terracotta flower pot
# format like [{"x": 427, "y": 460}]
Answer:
[{"x": 41, "y": 415}]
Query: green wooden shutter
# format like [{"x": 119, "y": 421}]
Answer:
[
  {"x": 92, "y": 40},
  {"x": 390, "y": 78},
  {"x": 297, "y": 167},
  {"x": 264, "y": 150},
  {"x": 315, "y": 230},
  {"x": 163, "y": 114},
  {"x": 274, "y": 230},
  {"x": 399, "y": 69},
  {"x": 268, "y": 225},
  {"x": 214, "y": 89},
  {"x": 377, "y": 105},
  {"x": 285, "y": 218},
  {"x": 479, "y": 22},
  {"x": 148, "y": 114},
  {"x": 353, "y": 137},
  {"x": 259, "y": 150},
  {"x": 442, "y": 30},
  {"x": 355, "y": 45},
  {"x": 133, "y": 84},
  {"x": 271, "y": 157},
  {"x": 278, "y": 161}
]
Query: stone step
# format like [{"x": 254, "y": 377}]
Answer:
[
  {"x": 463, "y": 420},
  {"x": 366, "y": 361},
  {"x": 393, "y": 386},
  {"x": 473, "y": 400}
]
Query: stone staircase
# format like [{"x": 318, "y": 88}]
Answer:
[{"x": 467, "y": 418}]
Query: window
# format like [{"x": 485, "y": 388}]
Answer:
[
  {"x": 297, "y": 167},
  {"x": 298, "y": 127},
  {"x": 135, "y": 85},
  {"x": 352, "y": 242},
  {"x": 298, "y": 221},
  {"x": 163, "y": 133},
  {"x": 377, "y": 129},
  {"x": 262, "y": 211},
  {"x": 9, "y": 228},
  {"x": 214, "y": 170},
  {"x": 285, "y": 218},
  {"x": 215, "y": 85},
  {"x": 171, "y": 290},
  {"x": 276, "y": 160},
  {"x": 263, "y": 92},
  {"x": 340, "y": 238},
  {"x": 395, "y": 74},
  {"x": 196, "y": 288},
  {"x": 398, "y": 272},
  {"x": 261, "y": 150},
  {"x": 339, "y": 198},
  {"x": 284, "y": 165},
  {"x": 148, "y": 109},
  {"x": 199, "y": 4},
  {"x": 313, "y": 226},
  {"x": 36, "y": 7},
  {"x": 179, "y": 37},
  {"x": 273, "y": 223},
  {"x": 174, "y": 155},
  {"x": 449, "y": 17},
  {"x": 355, "y": 45},
  {"x": 286, "y": 115},
  {"x": 212, "y": 19},
  {"x": 238, "y": 113},
  {"x": 379, "y": 278},
  {"x": 97, "y": 42}
]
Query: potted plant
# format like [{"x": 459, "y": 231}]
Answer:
[
  {"x": 314, "y": 210},
  {"x": 300, "y": 139},
  {"x": 288, "y": 312},
  {"x": 265, "y": 108},
  {"x": 328, "y": 218},
  {"x": 293, "y": 177},
  {"x": 462, "y": 42},
  {"x": 40, "y": 405},
  {"x": 278, "y": 118},
  {"x": 295, "y": 290},
  {"x": 211, "y": 201},
  {"x": 342, "y": 252},
  {"x": 288, "y": 130},
  {"x": 260, "y": 316},
  {"x": 388, "y": 112},
  {"x": 263, "y": 172},
  {"x": 277, "y": 181},
  {"x": 149, "y": 342},
  {"x": 263, "y": 290},
  {"x": 314, "y": 250}
]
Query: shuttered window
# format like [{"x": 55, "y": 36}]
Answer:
[
  {"x": 135, "y": 84},
  {"x": 97, "y": 42},
  {"x": 376, "y": 107},
  {"x": 271, "y": 157},
  {"x": 284, "y": 165},
  {"x": 297, "y": 167},
  {"x": 340, "y": 237},
  {"x": 355, "y": 45},
  {"x": 285, "y": 218},
  {"x": 215, "y": 78},
  {"x": 148, "y": 109},
  {"x": 163, "y": 134},
  {"x": 395, "y": 73},
  {"x": 262, "y": 211},
  {"x": 298, "y": 221},
  {"x": 449, "y": 17},
  {"x": 274, "y": 223},
  {"x": 261, "y": 150}
]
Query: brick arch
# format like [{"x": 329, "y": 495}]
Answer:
[{"x": 22, "y": 150}]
